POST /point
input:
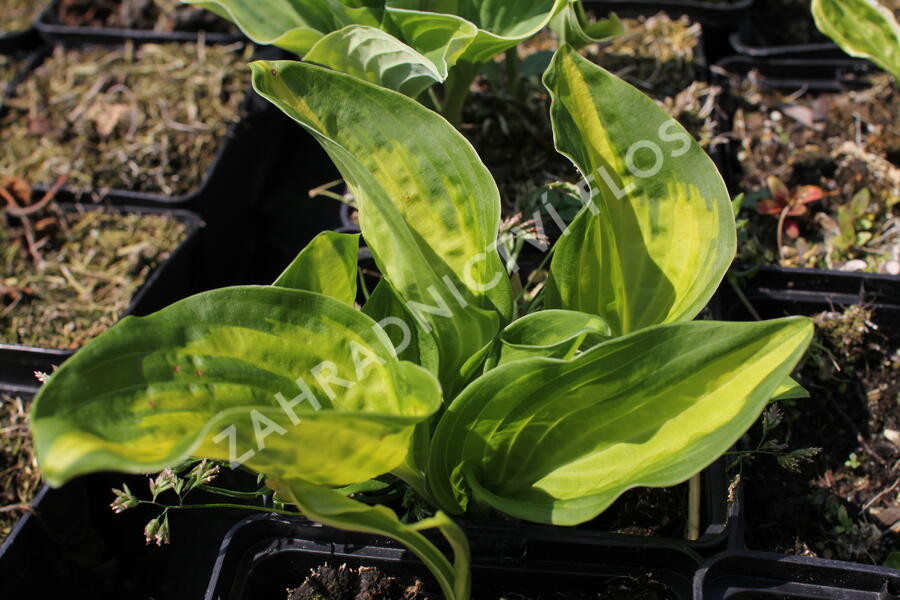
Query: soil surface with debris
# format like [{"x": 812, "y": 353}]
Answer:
[
  {"x": 847, "y": 145},
  {"x": 844, "y": 502},
  {"x": 19, "y": 475},
  {"x": 368, "y": 583},
  {"x": 161, "y": 16},
  {"x": 68, "y": 275}
]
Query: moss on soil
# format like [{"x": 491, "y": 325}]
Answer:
[
  {"x": 18, "y": 14},
  {"x": 146, "y": 119},
  {"x": 92, "y": 263}
]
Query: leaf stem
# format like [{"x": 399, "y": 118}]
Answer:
[
  {"x": 456, "y": 89},
  {"x": 224, "y": 505},
  {"x": 692, "y": 530}
]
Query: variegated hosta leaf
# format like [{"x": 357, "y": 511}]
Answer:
[
  {"x": 572, "y": 26},
  {"x": 557, "y": 441},
  {"x": 659, "y": 235},
  {"x": 501, "y": 24},
  {"x": 327, "y": 265},
  {"x": 862, "y": 28},
  {"x": 411, "y": 339},
  {"x": 291, "y": 25},
  {"x": 377, "y": 57},
  {"x": 443, "y": 39},
  {"x": 263, "y": 376},
  {"x": 428, "y": 208},
  {"x": 789, "y": 389},
  {"x": 334, "y": 509},
  {"x": 547, "y": 334}
]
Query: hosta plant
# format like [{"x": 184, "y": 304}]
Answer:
[
  {"x": 409, "y": 45},
  {"x": 546, "y": 416}
]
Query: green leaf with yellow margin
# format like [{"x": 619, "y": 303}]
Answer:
[
  {"x": 658, "y": 235},
  {"x": 428, "y": 208},
  {"x": 327, "y": 265},
  {"x": 261, "y": 376},
  {"x": 377, "y": 57},
  {"x": 573, "y": 27},
  {"x": 557, "y": 441},
  {"x": 862, "y": 28}
]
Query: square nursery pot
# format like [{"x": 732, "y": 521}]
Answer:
[
  {"x": 230, "y": 192},
  {"x": 719, "y": 19},
  {"x": 748, "y": 40},
  {"x": 71, "y": 544},
  {"x": 791, "y": 74},
  {"x": 49, "y": 26},
  {"x": 806, "y": 79},
  {"x": 778, "y": 291},
  {"x": 712, "y": 14},
  {"x": 763, "y": 576},
  {"x": 264, "y": 555},
  {"x": 170, "y": 281}
]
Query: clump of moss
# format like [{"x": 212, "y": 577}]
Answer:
[
  {"x": 9, "y": 68},
  {"x": 146, "y": 119},
  {"x": 68, "y": 275},
  {"x": 18, "y": 14},
  {"x": 657, "y": 54}
]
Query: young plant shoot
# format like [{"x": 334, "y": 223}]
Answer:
[
  {"x": 409, "y": 45},
  {"x": 546, "y": 417}
]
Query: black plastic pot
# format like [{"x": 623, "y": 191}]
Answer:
[
  {"x": 712, "y": 14},
  {"x": 778, "y": 291},
  {"x": 71, "y": 544},
  {"x": 746, "y": 41},
  {"x": 792, "y": 74},
  {"x": 264, "y": 555},
  {"x": 719, "y": 19},
  {"x": 48, "y": 25},
  {"x": 763, "y": 576},
  {"x": 170, "y": 281}
]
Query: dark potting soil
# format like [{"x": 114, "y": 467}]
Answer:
[
  {"x": 848, "y": 146},
  {"x": 843, "y": 503},
  {"x": 369, "y": 583},
  {"x": 658, "y": 512},
  {"x": 161, "y": 16}
]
